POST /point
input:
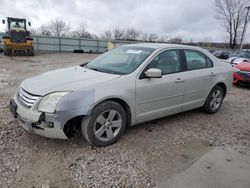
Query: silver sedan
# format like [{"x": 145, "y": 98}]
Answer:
[{"x": 123, "y": 87}]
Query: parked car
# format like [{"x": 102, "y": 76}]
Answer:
[
  {"x": 211, "y": 50},
  {"x": 234, "y": 54},
  {"x": 240, "y": 57},
  {"x": 221, "y": 54},
  {"x": 241, "y": 73},
  {"x": 128, "y": 85}
]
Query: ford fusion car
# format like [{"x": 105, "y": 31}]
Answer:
[{"x": 123, "y": 87}]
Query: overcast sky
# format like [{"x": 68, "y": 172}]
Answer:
[{"x": 190, "y": 19}]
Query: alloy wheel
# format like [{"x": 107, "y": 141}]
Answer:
[
  {"x": 108, "y": 125},
  {"x": 216, "y": 100}
]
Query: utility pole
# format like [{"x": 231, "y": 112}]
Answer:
[{"x": 244, "y": 29}]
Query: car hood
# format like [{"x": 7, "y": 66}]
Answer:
[
  {"x": 67, "y": 79},
  {"x": 245, "y": 66}
]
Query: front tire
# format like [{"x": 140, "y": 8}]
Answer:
[
  {"x": 6, "y": 51},
  {"x": 30, "y": 52},
  {"x": 214, "y": 100},
  {"x": 105, "y": 125}
]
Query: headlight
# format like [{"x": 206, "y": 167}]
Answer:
[
  {"x": 49, "y": 102},
  {"x": 236, "y": 70}
]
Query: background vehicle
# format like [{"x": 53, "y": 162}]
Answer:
[
  {"x": 242, "y": 73},
  {"x": 221, "y": 54},
  {"x": 211, "y": 50},
  {"x": 241, "y": 56},
  {"x": 128, "y": 85},
  {"x": 17, "y": 37},
  {"x": 234, "y": 54}
]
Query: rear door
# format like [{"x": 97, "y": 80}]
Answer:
[{"x": 199, "y": 78}]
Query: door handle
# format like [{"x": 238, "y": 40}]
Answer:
[
  {"x": 179, "y": 80},
  {"x": 212, "y": 74}
]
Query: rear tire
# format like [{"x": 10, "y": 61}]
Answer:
[
  {"x": 105, "y": 125},
  {"x": 214, "y": 100}
]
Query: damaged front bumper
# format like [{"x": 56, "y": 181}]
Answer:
[
  {"x": 37, "y": 122},
  {"x": 51, "y": 125}
]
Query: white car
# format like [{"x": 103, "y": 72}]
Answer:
[
  {"x": 123, "y": 87},
  {"x": 236, "y": 60},
  {"x": 241, "y": 56}
]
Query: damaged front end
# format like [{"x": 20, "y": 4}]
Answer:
[{"x": 37, "y": 118}]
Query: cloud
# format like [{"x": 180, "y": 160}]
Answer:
[{"x": 190, "y": 19}]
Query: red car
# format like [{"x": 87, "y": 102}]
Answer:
[{"x": 241, "y": 73}]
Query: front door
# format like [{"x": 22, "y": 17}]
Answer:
[{"x": 158, "y": 97}]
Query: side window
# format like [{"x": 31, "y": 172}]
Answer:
[
  {"x": 167, "y": 61},
  {"x": 195, "y": 60},
  {"x": 209, "y": 63}
]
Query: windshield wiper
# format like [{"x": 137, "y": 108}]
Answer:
[
  {"x": 103, "y": 70},
  {"x": 96, "y": 69},
  {"x": 83, "y": 64},
  {"x": 99, "y": 69}
]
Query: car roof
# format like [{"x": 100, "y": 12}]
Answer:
[{"x": 161, "y": 45}]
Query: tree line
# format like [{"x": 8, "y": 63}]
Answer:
[{"x": 59, "y": 27}]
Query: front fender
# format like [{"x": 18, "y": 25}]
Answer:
[{"x": 74, "y": 104}]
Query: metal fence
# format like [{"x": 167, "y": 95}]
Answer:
[{"x": 67, "y": 44}]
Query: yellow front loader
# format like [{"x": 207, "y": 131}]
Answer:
[{"x": 17, "y": 38}]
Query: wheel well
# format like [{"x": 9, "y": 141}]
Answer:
[
  {"x": 74, "y": 125},
  {"x": 125, "y": 107},
  {"x": 224, "y": 87}
]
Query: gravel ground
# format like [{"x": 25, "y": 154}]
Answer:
[{"x": 147, "y": 154}]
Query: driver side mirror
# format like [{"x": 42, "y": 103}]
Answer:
[
  {"x": 29, "y": 23},
  {"x": 153, "y": 73},
  {"x": 3, "y": 21}
]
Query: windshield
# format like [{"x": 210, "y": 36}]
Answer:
[
  {"x": 122, "y": 60},
  {"x": 17, "y": 24}
]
